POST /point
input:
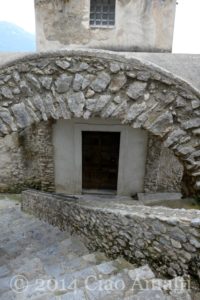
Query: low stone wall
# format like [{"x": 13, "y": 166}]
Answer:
[{"x": 167, "y": 239}]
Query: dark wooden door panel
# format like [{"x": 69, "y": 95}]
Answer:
[{"x": 100, "y": 158}]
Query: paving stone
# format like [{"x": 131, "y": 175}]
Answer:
[
  {"x": 9, "y": 296},
  {"x": 31, "y": 268},
  {"x": 141, "y": 273},
  {"x": 80, "y": 277},
  {"x": 5, "y": 284},
  {"x": 150, "y": 295},
  {"x": 82, "y": 262},
  {"x": 4, "y": 271},
  {"x": 76, "y": 295},
  {"x": 106, "y": 268},
  {"x": 102, "y": 289}
]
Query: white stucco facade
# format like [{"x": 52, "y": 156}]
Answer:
[
  {"x": 140, "y": 25},
  {"x": 68, "y": 155}
]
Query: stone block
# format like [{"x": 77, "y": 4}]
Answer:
[{"x": 158, "y": 196}]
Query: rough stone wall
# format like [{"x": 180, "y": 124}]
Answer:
[
  {"x": 26, "y": 159},
  {"x": 29, "y": 155},
  {"x": 38, "y": 157},
  {"x": 46, "y": 156},
  {"x": 170, "y": 172},
  {"x": 167, "y": 239},
  {"x": 164, "y": 172},
  {"x": 141, "y": 25},
  {"x": 11, "y": 164},
  {"x": 87, "y": 84}
]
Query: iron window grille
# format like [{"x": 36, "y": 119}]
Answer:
[{"x": 102, "y": 13}]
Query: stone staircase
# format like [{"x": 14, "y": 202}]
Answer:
[{"x": 37, "y": 261}]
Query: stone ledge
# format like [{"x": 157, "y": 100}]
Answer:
[
  {"x": 167, "y": 239},
  {"x": 159, "y": 196}
]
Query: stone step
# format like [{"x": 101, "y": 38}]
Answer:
[
  {"x": 16, "y": 224},
  {"x": 145, "y": 197},
  {"x": 117, "y": 286},
  {"x": 10, "y": 215},
  {"x": 73, "y": 292},
  {"x": 75, "y": 265},
  {"x": 31, "y": 230},
  {"x": 139, "y": 283},
  {"x": 33, "y": 269},
  {"x": 4, "y": 285},
  {"x": 121, "y": 286},
  {"x": 66, "y": 248},
  {"x": 26, "y": 247},
  {"x": 110, "y": 280},
  {"x": 99, "y": 289},
  {"x": 4, "y": 271},
  {"x": 146, "y": 294},
  {"x": 68, "y": 271},
  {"x": 149, "y": 295},
  {"x": 175, "y": 289},
  {"x": 49, "y": 252},
  {"x": 91, "y": 273}
]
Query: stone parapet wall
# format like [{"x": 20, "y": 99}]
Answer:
[{"x": 167, "y": 239}]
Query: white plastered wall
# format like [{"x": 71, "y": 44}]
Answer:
[{"x": 67, "y": 140}]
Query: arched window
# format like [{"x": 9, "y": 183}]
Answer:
[{"x": 102, "y": 13}]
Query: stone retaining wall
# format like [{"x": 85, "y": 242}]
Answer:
[{"x": 167, "y": 239}]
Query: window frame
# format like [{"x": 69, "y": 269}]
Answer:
[{"x": 102, "y": 26}]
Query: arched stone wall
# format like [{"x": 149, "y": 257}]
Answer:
[{"x": 85, "y": 84}]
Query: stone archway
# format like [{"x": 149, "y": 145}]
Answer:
[{"x": 86, "y": 84}]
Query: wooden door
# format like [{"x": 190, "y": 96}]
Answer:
[{"x": 100, "y": 159}]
